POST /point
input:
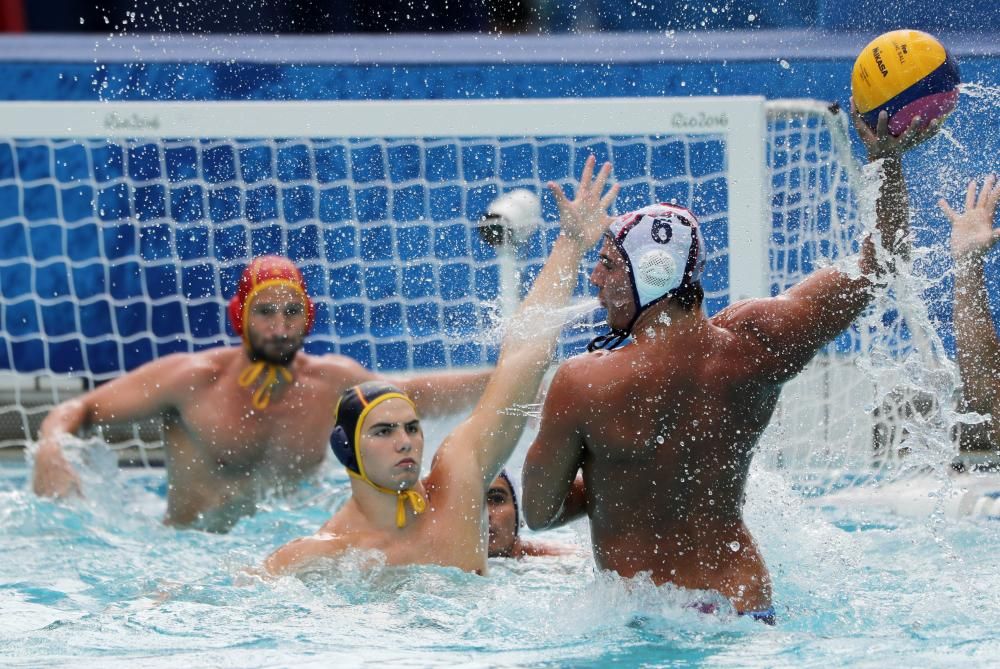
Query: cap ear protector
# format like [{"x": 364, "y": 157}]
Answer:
[
  {"x": 343, "y": 449},
  {"x": 352, "y": 409},
  {"x": 657, "y": 272}
]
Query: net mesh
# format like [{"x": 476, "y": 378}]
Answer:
[
  {"x": 823, "y": 420},
  {"x": 113, "y": 253},
  {"x": 116, "y": 252},
  {"x": 852, "y": 413}
]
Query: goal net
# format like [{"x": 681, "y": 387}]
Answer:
[{"x": 124, "y": 228}]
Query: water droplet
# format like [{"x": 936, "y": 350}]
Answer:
[
  {"x": 734, "y": 546},
  {"x": 784, "y": 64},
  {"x": 659, "y": 439}
]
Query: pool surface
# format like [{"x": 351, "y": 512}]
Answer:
[{"x": 101, "y": 582}]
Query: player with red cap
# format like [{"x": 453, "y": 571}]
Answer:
[
  {"x": 266, "y": 373},
  {"x": 238, "y": 421}
]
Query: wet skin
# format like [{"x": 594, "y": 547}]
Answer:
[
  {"x": 453, "y": 530},
  {"x": 505, "y": 542},
  {"x": 222, "y": 454},
  {"x": 663, "y": 431},
  {"x": 653, "y": 441},
  {"x": 450, "y": 531}
]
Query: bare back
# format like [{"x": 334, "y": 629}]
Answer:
[
  {"x": 669, "y": 437},
  {"x": 664, "y": 430}
]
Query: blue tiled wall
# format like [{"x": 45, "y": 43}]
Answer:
[
  {"x": 146, "y": 249},
  {"x": 939, "y": 169}
]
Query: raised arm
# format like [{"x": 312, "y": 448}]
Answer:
[
  {"x": 138, "y": 395},
  {"x": 445, "y": 392},
  {"x": 972, "y": 236},
  {"x": 491, "y": 432},
  {"x": 795, "y": 325}
]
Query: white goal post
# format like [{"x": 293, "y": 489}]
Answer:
[{"x": 741, "y": 120}]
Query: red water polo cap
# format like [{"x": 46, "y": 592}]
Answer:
[{"x": 262, "y": 272}]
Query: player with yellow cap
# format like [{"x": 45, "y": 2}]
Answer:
[{"x": 441, "y": 518}]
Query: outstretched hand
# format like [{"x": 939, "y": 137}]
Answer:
[
  {"x": 972, "y": 233},
  {"x": 585, "y": 218},
  {"x": 880, "y": 143}
]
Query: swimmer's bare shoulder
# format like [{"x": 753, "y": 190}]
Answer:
[
  {"x": 575, "y": 370},
  {"x": 161, "y": 385},
  {"x": 188, "y": 373},
  {"x": 777, "y": 336},
  {"x": 742, "y": 318},
  {"x": 337, "y": 371},
  {"x": 573, "y": 384},
  {"x": 295, "y": 555}
]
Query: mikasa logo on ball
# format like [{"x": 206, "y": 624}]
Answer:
[
  {"x": 877, "y": 54},
  {"x": 922, "y": 81}
]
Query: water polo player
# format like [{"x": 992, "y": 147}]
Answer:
[
  {"x": 663, "y": 430},
  {"x": 441, "y": 518}
]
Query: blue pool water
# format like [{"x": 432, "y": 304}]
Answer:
[{"x": 102, "y": 583}]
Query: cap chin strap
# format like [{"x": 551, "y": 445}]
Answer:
[
  {"x": 262, "y": 396},
  {"x": 609, "y": 341},
  {"x": 416, "y": 500},
  {"x": 613, "y": 339}
]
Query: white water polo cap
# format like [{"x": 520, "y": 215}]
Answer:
[
  {"x": 662, "y": 248},
  {"x": 663, "y": 251}
]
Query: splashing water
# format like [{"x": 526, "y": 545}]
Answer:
[
  {"x": 531, "y": 323},
  {"x": 543, "y": 321},
  {"x": 903, "y": 339},
  {"x": 115, "y": 586}
]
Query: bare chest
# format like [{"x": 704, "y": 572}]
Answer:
[
  {"x": 428, "y": 539},
  {"x": 287, "y": 438}
]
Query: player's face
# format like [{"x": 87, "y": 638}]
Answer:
[
  {"x": 276, "y": 324},
  {"x": 392, "y": 445},
  {"x": 503, "y": 518},
  {"x": 610, "y": 275}
]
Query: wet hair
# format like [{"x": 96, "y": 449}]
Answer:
[{"x": 689, "y": 296}]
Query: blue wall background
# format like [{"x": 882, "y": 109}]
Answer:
[{"x": 777, "y": 65}]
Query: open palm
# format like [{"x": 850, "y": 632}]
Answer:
[
  {"x": 585, "y": 218},
  {"x": 972, "y": 232}
]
